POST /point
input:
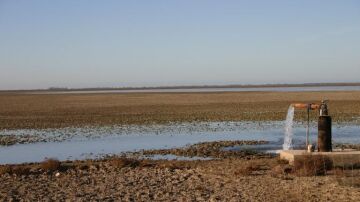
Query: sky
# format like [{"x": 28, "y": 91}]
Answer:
[{"x": 134, "y": 43}]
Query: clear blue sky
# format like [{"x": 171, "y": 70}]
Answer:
[{"x": 84, "y": 43}]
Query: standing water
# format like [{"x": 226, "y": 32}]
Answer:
[{"x": 289, "y": 128}]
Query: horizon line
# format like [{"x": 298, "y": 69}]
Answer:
[{"x": 268, "y": 85}]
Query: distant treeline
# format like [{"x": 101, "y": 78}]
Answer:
[
  {"x": 190, "y": 87},
  {"x": 205, "y": 86}
]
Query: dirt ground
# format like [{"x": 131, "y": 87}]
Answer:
[
  {"x": 216, "y": 180},
  {"x": 229, "y": 176},
  {"x": 19, "y": 111}
]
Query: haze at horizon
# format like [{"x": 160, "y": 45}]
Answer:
[{"x": 79, "y": 44}]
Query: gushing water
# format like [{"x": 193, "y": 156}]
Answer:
[{"x": 289, "y": 128}]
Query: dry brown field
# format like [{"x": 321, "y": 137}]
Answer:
[
  {"x": 21, "y": 110},
  {"x": 236, "y": 179}
]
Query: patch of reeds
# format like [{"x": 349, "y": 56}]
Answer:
[
  {"x": 347, "y": 176},
  {"x": 50, "y": 165},
  {"x": 312, "y": 165},
  {"x": 122, "y": 162},
  {"x": 250, "y": 168},
  {"x": 15, "y": 170}
]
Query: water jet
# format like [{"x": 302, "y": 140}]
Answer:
[{"x": 324, "y": 125}]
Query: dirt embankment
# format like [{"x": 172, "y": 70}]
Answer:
[{"x": 18, "y": 111}]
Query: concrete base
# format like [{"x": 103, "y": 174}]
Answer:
[{"x": 340, "y": 158}]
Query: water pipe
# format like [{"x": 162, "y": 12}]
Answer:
[
  {"x": 308, "y": 107},
  {"x": 324, "y": 124}
]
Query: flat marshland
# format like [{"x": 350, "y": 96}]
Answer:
[
  {"x": 227, "y": 176},
  {"x": 19, "y": 111}
]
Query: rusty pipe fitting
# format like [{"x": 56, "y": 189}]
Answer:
[{"x": 310, "y": 106}]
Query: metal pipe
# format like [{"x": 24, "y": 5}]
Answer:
[
  {"x": 310, "y": 106},
  {"x": 324, "y": 124},
  {"x": 308, "y": 127},
  {"x": 324, "y": 134},
  {"x": 300, "y": 105}
]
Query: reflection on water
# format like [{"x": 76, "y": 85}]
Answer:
[{"x": 163, "y": 137}]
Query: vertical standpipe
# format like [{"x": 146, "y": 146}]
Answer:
[{"x": 324, "y": 134}]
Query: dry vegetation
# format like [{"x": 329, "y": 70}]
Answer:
[
  {"x": 54, "y": 111},
  {"x": 312, "y": 165},
  {"x": 50, "y": 165}
]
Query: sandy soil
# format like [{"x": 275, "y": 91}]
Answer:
[{"x": 57, "y": 111}]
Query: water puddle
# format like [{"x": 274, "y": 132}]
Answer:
[{"x": 92, "y": 142}]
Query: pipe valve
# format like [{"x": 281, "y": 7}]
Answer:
[{"x": 324, "y": 108}]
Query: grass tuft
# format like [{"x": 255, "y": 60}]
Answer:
[
  {"x": 250, "y": 168},
  {"x": 50, "y": 165},
  {"x": 312, "y": 165},
  {"x": 15, "y": 170},
  {"x": 122, "y": 162}
]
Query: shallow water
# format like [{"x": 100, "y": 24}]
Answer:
[{"x": 85, "y": 143}]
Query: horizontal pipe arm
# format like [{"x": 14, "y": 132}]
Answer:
[{"x": 306, "y": 106}]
